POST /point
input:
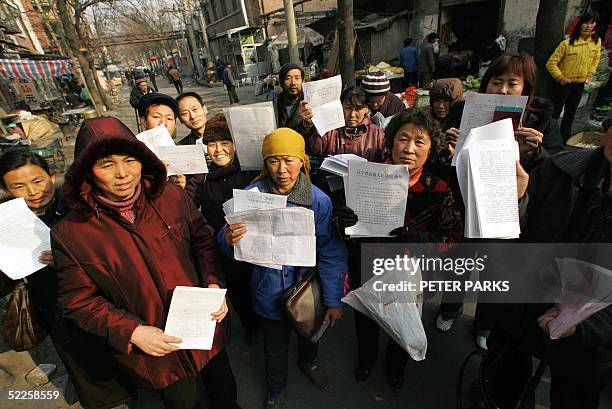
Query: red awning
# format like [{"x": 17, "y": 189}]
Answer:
[{"x": 33, "y": 70}]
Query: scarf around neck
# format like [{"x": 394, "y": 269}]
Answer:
[
  {"x": 300, "y": 195},
  {"x": 125, "y": 209}
]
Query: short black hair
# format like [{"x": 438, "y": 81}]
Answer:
[
  {"x": 190, "y": 94},
  {"x": 407, "y": 42},
  {"x": 354, "y": 95},
  {"x": 432, "y": 36},
  {"x": 16, "y": 158},
  {"x": 419, "y": 117}
]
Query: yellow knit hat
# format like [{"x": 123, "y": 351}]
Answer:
[{"x": 284, "y": 142}]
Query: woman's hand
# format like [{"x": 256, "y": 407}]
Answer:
[
  {"x": 522, "y": 181},
  {"x": 333, "y": 314},
  {"x": 180, "y": 180},
  {"x": 46, "y": 257},
  {"x": 453, "y": 136},
  {"x": 550, "y": 315},
  {"x": 234, "y": 233},
  {"x": 564, "y": 81},
  {"x": 152, "y": 341},
  {"x": 219, "y": 315},
  {"x": 529, "y": 139}
]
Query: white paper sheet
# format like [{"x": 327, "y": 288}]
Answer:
[
  {"x": 482, "y": 109},
  {"x": 323, "y": 97},
  {"x": 338, "y": 164},
  {"x": 24, "y": 237},
  {"x": 486, "y": 173},
  {"x": 156, "y": 137},
  {"x": 276, "y": 237},
  {"x": 249, "y": 125},
  {"x": 184, "y": 159},
  {"x": 189, "y": 317},
  {"x": 378, "y": 194},
  {"x": 249, "y": 200},
  {"x": 228, "y": 206}
]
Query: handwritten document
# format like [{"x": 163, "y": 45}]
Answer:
[
  {"x": 189, "y": 317},
  {"x": 249, "y": 125},
  {"x": 486, "y": 172},
  {"x": 373, "y": 187},
  {"x": 276, "y": 237},
  {"x": 481, "y": 109},
  {"x": 184, "y": 159},
  {"x": 323, "y": 97},
  {"x": 24, "y": 237}
]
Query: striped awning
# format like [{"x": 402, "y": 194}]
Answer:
[{"x": 33, "y": 69}]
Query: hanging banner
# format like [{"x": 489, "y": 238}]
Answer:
[{"x": 33, "y": 69}]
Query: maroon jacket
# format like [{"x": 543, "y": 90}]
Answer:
[
  {"x": 367, "y": 141},
  {"x": 115, "y": 276}
]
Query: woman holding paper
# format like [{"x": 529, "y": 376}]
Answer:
[
  {"x": 286, "y": 173},
  {"x": 129, "y": 240},
  {"x": 86, "y": 357},
  {"x": 516, "y": 74},
  {"x": 209, "y": 194},
  {"x": 431, "y": 217},
  {"x": 359, "y": 136},
  {"x": 572, "y": 64}
]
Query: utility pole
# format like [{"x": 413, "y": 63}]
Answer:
[
  {"x": 346, "y": 45},
  {"x": 209, "y": 50},
  {"x": 195, "y": 55},
  {"x": 294, "y": 55}
]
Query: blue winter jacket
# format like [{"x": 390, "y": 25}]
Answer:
[
  {"x": 409, "y": 59},
  {"x": 269, "y": 284}
]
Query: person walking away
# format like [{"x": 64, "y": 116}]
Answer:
[
  {"x": 230, "y": 83},
  {"x": 427, "y": 61},
  {"x": 313, "y": 68},
  {"x": 153, "y": 80},
  {"x": 175, "y": 78},
  {"x": 571, "y": 65},
  {"x": 409, "y": 58}
]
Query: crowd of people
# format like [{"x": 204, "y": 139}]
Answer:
[{"x": 105, "y": 299}]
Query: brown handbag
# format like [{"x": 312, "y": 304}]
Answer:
[
  {"x": 21, "y": 328},
  {"x": 304, "y": 306}
]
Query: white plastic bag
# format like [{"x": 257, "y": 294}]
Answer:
[{"x": 397, "y": 312}]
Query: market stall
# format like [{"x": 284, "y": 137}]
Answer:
[{"x": 33, "y": 81}]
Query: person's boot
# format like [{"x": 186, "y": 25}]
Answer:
[
  {"x": 316, "y": 374},
  {"x": 363, "y": 371},
  {"x": 395, "y": 378}
]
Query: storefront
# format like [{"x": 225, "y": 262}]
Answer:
[{"x": 33, "y": 82}]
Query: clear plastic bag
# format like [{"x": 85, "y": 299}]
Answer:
[{"x": 398, "y": 312}]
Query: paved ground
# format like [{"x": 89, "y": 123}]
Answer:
[{"x": 429, "y": 384}]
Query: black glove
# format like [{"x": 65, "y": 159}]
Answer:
[
  {"x": 406, "y": 234},
  {"x": 343, "y": 217}
]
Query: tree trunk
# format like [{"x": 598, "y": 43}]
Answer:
[
  {"x": 72, "y": 37},
  {"x": 550, "y": 26},
  {"x": 346, "y": 45}
]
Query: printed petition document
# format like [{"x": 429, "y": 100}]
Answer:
[
  {"x": 189, "y": 317},
  {"x": 378, "y": 194}
]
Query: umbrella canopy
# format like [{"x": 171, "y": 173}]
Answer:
[{"x": 305, "y": 35}]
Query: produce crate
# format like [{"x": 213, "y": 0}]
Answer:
[{"x": 586, "y": 140}]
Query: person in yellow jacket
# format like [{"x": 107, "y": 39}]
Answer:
[{"x": 571, "y": 65}]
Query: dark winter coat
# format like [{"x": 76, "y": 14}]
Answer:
[
  {"x": 209, "y": 193},
  {"x": 87, "y": 358},
  {"x": 569, "y": 201},
  {"x": 392, "y": 105},
  {"x": 115, "y": 276}
]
